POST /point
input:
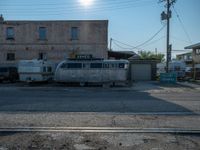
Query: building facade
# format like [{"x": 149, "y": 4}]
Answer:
[
  {"x": 195, "y": 60},
  {"x": 185, "y": 57},
  {"x": 51, "y": 40},
  {"x": 195, "y": 52}
]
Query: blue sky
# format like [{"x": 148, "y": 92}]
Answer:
[{"x": 130, "y": 21}]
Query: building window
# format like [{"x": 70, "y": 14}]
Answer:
[
  {"x": 74, "y": 33},
  {"x": 10, "y": 33},
  {"x": 42, "y": 33},
  {"x": 10, "y": 56},
  {"x": 197, "y": 51},
  {"x": 42, "y": 56}
]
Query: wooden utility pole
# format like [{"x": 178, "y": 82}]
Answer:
[
  {"x": 166, "y": 16},
  {"x": 111, "y": 44},
  {"x": 168, "y": 28}
]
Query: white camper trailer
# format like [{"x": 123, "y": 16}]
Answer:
[
  {"x": 177, "y": 67},
  {"x": 35, "y": 70}
]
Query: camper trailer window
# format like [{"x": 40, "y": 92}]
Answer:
[
  {"x": 64, "y": 65},
  {"x": 74, "y": 65},
  {"x": 49, "y": 69},
  {"x": 3, "y": 69},
  {"x": 106, "y": 65},
  {"x": 96, "y": 65},
  {"x": 121, "y": 65},
  {"x": 44, "y": 69}
]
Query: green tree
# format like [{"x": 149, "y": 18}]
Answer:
[{"x": 150, "y": 55}]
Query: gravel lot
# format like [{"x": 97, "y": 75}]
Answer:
[{"x": 91, "y": 141}]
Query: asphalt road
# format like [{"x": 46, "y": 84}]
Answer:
[{"x": 97, "y": 99}]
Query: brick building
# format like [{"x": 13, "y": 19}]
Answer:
[{"x": 51, "y": 40}]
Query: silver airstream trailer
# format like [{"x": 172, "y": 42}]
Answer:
[
  {"x": 35, "y": 70},
  {"x": 92, "y": 71}
]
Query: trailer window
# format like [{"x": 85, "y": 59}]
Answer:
[
  {"x": 96, "y": 65},
  {"x": 121, "y": 65},
  {"x": 64, "y": 65},
  {"x": 49, "y": 69},
  {"x": 106, "y": 65},
  {"x": 44, "y": 69},
  {"x": 74, "y": 65},
  {"x": 3, "y": 69}
]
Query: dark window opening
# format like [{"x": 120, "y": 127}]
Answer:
[
  {"x": 10, "y": 33},
  {"x": 44, "y": 69},
  {"x": 3, "y": 69},
  {"x": 49, "y": 69},
  {"x": 74, "y": 33},
  {"x": 10, "y": 56},
  {"x": 42, "y": 33},
  {"x": 42, "y": 56}
]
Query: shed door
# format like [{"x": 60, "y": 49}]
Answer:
[{"x": 141, "y": 72}]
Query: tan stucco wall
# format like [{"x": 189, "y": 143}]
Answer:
[
  {"x": 93, "y": 38},
  {"x": 196, "y": 58}
]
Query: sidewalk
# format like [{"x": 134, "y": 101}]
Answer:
[{"x": 194, "y": 85}]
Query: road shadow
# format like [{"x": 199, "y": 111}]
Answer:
[{"x": 86, "y": 100}]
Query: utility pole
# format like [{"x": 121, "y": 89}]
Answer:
[
  {"x": 111, "y": 44},
  {"x": 166, "y": 16}
]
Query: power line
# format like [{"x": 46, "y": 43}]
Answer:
[
  {"x": 138, "y": 46},
  {"x": 182, "y": 25},
  {"x": 125, "y": 48},
  {"x": 75, "y": 5},
  {"x": 176, "y": 38},
  {"x": 151, "y": 37},
  {"x": 155, "y": 41},
  {"x": 75, "y": 10}
]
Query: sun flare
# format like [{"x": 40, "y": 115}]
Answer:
[{"x": 86, "y": 3}]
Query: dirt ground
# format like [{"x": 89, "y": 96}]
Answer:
[{"x": 97, "y": 141}]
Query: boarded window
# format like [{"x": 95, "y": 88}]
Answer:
[
  {"x": 10, "y": 56},
  {"x": 10, "y": 33},
  {"x": 42, "y": 33},
  {"x": 74, "y": 33}
]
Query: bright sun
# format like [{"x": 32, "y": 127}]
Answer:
[{"x": 86, "y": 2}]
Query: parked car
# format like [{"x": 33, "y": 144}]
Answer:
[{"x": 8, "y": 74}]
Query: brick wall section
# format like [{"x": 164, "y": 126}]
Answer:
[{"x": 93, "y": 38}]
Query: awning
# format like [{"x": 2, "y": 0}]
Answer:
[{"x": 194, "y": 46}]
